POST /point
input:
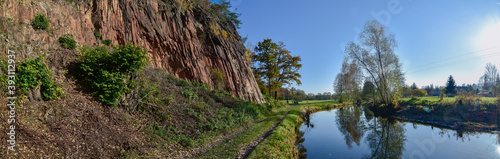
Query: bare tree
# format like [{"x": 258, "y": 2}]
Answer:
[
  {"x": 348, "y": 81},
  {"x": 490, "y": 77},
  {"x": 375, "y": 55}
]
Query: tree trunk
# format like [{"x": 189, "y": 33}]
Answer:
[{"x": 269, "y": 86}]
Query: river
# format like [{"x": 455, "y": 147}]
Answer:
[{"x": 355, "y": 133}]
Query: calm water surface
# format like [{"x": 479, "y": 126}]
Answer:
[{"x": 354, "y": 133}]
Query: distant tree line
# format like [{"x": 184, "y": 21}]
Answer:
[
  {"x": 489, "y": 86},
  {"x": 294, "y": 94}
]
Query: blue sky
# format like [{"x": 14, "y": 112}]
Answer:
[{"x": 436, "y": 38}]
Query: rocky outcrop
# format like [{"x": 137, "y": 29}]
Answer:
[{"x": 187, "y": 41}]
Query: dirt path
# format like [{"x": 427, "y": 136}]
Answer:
[
  {"x": 197, "y": 152},
  {"x": 247, "y": 148}
]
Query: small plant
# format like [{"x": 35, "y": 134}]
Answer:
[
  {"x": 67, "y": 41},
  {"x": 224, "y": 34},
  {"x": 97, "y": 34},
  {"x": 215, "y": 29},
  {"x": 183, "y": 82},
  {"x": 107, "y": 42},
  {"x": 219, "y": 78},
  {"x": 189, "y": 94},
  {"x": 40, "y": 22},
  {"x": 34, "y": 72}
]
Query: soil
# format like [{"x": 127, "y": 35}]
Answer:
[{"x": 247, "y": 148}]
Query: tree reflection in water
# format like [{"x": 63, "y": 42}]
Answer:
[
  {"x": 300, "y": 146},
  {"x": 386, "y": 138},
  {"x": 350, "y": 124},
  {"x": 306, "y": 116}
]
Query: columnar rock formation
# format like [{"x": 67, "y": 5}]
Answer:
[{"x": 188, "y": 42}]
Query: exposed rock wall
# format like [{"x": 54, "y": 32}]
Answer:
[{"x": 186, "y": 41}]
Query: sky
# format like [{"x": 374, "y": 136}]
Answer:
[{"x": 435, "y": 39}]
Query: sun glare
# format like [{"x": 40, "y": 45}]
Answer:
[
  {"x": 490, "y": 36},
  {"x": 498, "y": 149}
]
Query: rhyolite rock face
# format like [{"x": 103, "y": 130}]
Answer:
[{"x": 186, "y": 41}]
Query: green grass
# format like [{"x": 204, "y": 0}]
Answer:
[
  {"x": 231, "y": 148},
  {"x": 434, "y": 100},
  {"x": 281, "y": 142}
]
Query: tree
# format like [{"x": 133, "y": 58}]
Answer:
[
  {"x": 274, "y": 66},
  {"x": 490, "y": 77},
  {"x": 375, "y": 55},
  {"x": 297, "y": 95},
  {"x": 419, "y": 92},
  {"x": 451, "y": 87},
  {"x": 327, "y": 95},
  {"x": 368, "y": 90},
  {"x": 222, "y": 10},
  {"x": 348, "y": 81},
  {"x": 414, "y": 86},
  {"x": 443, "y": 91},
  {"x": 339, "y": 87},
  {"x": 406, "y": 91},
  {"x": 310, "y": 96},
  {"x": 429, "y": 89}
]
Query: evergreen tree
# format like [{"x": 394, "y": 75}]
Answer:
[
  {"x": 451, "y": 87},
  {"x": 414, "y": 86}
]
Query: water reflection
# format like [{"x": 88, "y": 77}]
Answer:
[
  {"x": 357, "y": 133},
  {"x": 349, "y": 123},
  {"x": 386, "y": 138},
  {"x": 300, "y": 146},
  {"x": 306, "y": 116}
]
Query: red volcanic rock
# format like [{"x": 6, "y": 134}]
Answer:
[{"x": 179, "y": 40}]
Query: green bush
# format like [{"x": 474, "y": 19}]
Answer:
[
  {"x": 107, "y": 42},
  {"x": 110, "y": 87},
  {"x": 419, "y": 92},
  {"x": 67, "y": 41},
  {"x": 219, "y": 78},
  {"x": 109, "y": 73},
  {"x": 34, "y": 72},
  {"x": 40, "y": 22},
  {"x": 97, "y": 34}
]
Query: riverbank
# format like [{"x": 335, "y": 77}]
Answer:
[
  {"x": 282, "y": 142},
  {"x": 463, "y": 113}
]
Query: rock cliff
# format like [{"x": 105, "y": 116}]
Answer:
[{"x": 184, "y": 39}]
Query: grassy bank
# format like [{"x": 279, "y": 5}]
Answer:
[
  {"x": 435, "y": 100},
  {"x": 231, "y": 148},
  {"x": 465, "y": 112},
  {"x": 282, "y": 141}
]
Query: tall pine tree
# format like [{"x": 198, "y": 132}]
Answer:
[{"x": 451, "y": 87}]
